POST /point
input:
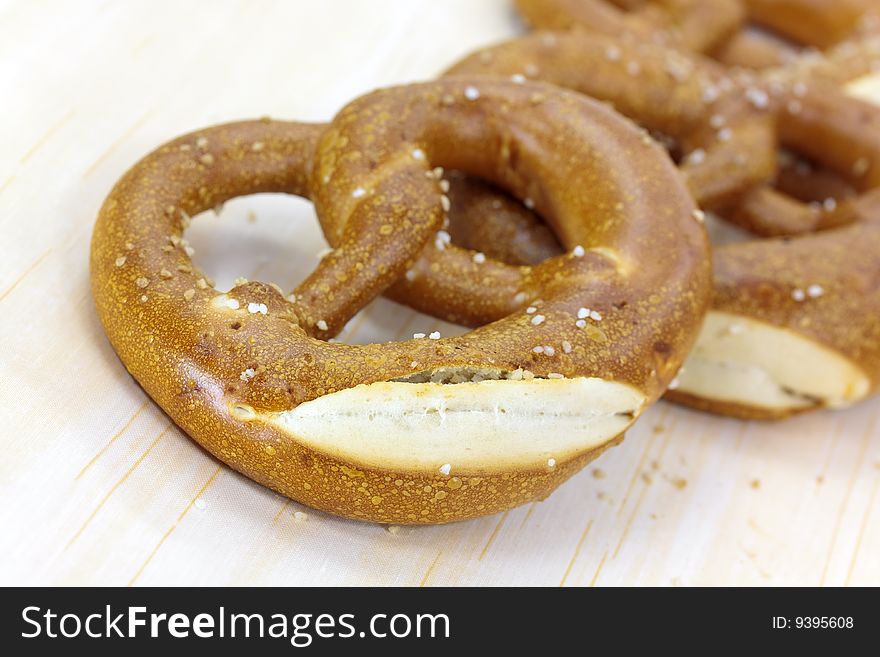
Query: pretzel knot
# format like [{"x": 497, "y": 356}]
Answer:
[
  {"x": 725, "y": 138},
  {"x": 833, "y": 130},
  {"x": 424, "y": 430}
]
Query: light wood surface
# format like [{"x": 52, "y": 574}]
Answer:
[{"x": 98, "y": 487}]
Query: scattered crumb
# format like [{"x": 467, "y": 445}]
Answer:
[
  {"x": 756, "y": 484},
  {"x": 680, "y": 483},
  {"x": 251, "y": 216},
  {"x": 598, "y": 473},
  {"x": 646, "y": 477},
  {"x": 392, "y": 529},
  {"x": 820, "y": 479},
  {"x": 299, "y": 516}
]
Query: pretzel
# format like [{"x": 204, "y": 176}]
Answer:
[
  {"x": 425, "y": 430},
  {"x": 817, "y": 23},
  {"x": 726, "y": 138},
  {"x": 793, "y": 325},
  {"x": 697, "y": 25},
  {"x": 832, "y": 129}
]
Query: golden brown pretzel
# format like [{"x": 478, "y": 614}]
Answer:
[
  {"x": 817, "y": 23},
  {"x": 833, "y": 129},
  {"x": 384, "y": 432},
  {"x": 697, "y": 25},
  {"x": 793, "y": 325},
  {"x": 725, "y": 135}
]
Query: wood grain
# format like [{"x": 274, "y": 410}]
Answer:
[{"x": 99, "y": 488}]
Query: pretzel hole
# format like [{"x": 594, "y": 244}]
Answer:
[
  {"x": 276, "y": 238},
  {"x": 810, "y": 182},
  {"x": 268, "y": 237},
  {"x": 517, "y": 235}
]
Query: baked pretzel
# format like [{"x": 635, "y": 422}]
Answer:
[
  {"x": 582, "y": 343},
  {"x": 697, "y": 25},
  {"x": 816, "y": 23},
  {"x": 724, "y": 136},
  {"x": 834, "y": 130}
]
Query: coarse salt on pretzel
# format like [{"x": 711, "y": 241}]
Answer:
[
  {"x": 725, "y": 135},
  {"x": 697, "y": 25},
  {"x": 426, "y": 430}
]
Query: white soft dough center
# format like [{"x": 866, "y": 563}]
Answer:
[
  {"x": 742, "y": 360},
  {"x": 485, "y": 426}
]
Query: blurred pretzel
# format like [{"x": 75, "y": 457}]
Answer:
[{"x": 697, "y": 25}]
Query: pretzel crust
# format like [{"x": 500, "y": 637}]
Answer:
[
  {"x": 245, "y": 374},
  {"x": 697, "y": 25}
]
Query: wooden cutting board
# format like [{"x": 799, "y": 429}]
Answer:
[{"x": 98, "y": 487}]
